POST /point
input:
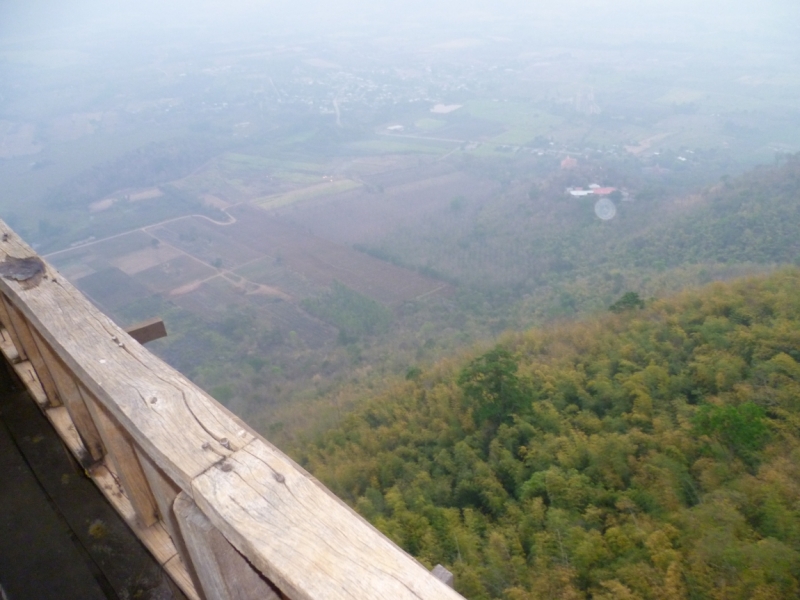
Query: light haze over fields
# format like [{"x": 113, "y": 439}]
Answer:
[{"x": 411, "y": 162}]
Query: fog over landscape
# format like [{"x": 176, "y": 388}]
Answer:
[{"x": 329, "y": 203}]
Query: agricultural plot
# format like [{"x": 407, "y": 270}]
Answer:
[
  {"x": 288, "y": 318},
  {"x": 327, "y": 188},
  {"x": 274, "y": 273},
  {"x": 79, "y": 262},
  {"x": 112, "y": 289},
  {"x": 146, "y": 258},
  {"x": 174, "y": 274},
  {"x": 365, "y": 217},
  {"x": 205, "y": 241},
  {"x": 323, "y": 262},
  {"x": 212, "y": 298}
]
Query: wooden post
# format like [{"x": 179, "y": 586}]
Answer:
[
  {"x": 25, "y": 337},
  {"x": 443, "y": 575},
  {"x": 6, "y": 319},
  {"x": 165, "y": 491},
  {"x": 224, "y": 573},
  {"x": 73, "y": 400},
  {"x": 123, "y": 455}
]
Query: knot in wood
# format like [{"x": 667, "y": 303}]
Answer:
[
  {"x": 225, "y": 443},
  {"x": 279, "y": 477},
  {"x": 205, "y": 446},
  {"x": 153, "y": 400},
  {"x": 227, "y": 467}
]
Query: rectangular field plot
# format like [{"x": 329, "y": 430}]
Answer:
[
  {"x": 121, "y": 245},
  {"x": 307, "y": 193},
  {"x": 287, "y": 317},
  {"x": 72, "y": 266},
  {"x": 112, "y": 289},
  {"x": 81, "y": 261},
  {"x": 206, "y": 241},
  {"x": 174, "y": 274},
  {"x": 211, "y": 298},
  {"x": 143, "y": 259},
  {"x": 272, "y": 272},
  {"x": 323, "y": 262}
]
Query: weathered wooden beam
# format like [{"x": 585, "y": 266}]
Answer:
[
  {"x": 150, "y": 400},
  {"x": 302, "y": 538},
  {"x": 273, "y": 516},
  {"x": 147, "y": 331},
  {"x": 443, "y": 575},
  {"x": 25, "y": 337},
  {"x": 7, "y": 346},
  {"x": 165, "y": 492},
  {"x": 224, "y": 574},
  {"x": 126, "y": 464},
  {"x": 6, "y": 319},
  {"x": 73, "y": 400}
]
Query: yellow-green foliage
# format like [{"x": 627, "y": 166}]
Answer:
[{"x": 649, "y": 454}]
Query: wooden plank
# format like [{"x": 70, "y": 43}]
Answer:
[
  {"x": 176, "y": 568},
  {"x": 25, "y": 337},
  {"x": 126, "y": 465},
  {"x": 155, "y": 538},
  {"x": 149, "y": 399},
  {"x": 224, "y": 574},
  {"x": 277, "y": 516},
  {"x": 301, "y": 537},
  {"x": 443, "y": 575},
  {"x": 7, "y": 346},
  {"x": 62, "y": 423},
  {"x": 27, "y": 374},
  {"x": 74, "y": 402},
  {"x": 147, "y": 331},
  {"x": 6, "y": 320},
  {"x": 165, "y": 492}
]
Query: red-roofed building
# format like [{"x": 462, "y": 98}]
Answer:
[{"x": 569, "y": 163}]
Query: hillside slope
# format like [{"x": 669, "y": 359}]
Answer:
[{"x": 652, "y": 454}]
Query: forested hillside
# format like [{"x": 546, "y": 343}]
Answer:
[{"x": 650, "y": 453}]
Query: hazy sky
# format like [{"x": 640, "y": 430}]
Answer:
[{"x": 32, "y": 17}]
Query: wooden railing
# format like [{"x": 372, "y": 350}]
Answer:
[{"x": 227, "y": 514}]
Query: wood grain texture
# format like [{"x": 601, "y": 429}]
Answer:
[
  {"x": 7, "y": 346},
  {"x": 25, "y": 337},
  {"x": 27, "y": 374},
  {"x": 176, "y": 568},
  {"x": 152, "y": 401},
  {"x": 123, "y": 455},
  {"x": 165, "y": 492},
  {"x": 261, "y": 505},
  {"x": 73, "y": 401},
  {"x": 62, "y": 423},
  {"x": 6, "y": 320},
  {"x": 155, "y": 538},
  {"x": 303, "y": 539},
  {"x": 224, "y": 574}
]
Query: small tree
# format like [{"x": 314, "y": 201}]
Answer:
[
  {"x": 491, "y": 382},
  {"x": 629, "y": 301}
]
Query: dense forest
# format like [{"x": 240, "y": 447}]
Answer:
[{"x": 645, "y": 453}]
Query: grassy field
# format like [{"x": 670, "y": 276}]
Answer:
[{"x": 315, "y": 191}]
